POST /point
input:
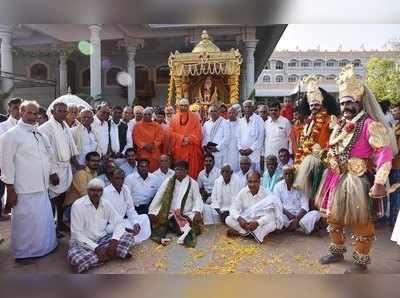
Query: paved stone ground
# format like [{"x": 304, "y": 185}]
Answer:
[{"x": 217, "y": 254}]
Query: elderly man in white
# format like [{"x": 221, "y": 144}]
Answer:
[
  {"x": 27, "y": 165},
  {"x": 254, "y": 211},
  {"x": 296, "y": 211},
  {"x": 232, "y": 152},
  {"x": 216, "y": 136},
  {"x": 165, "y": 171},
  {"x": 98, "y": 234},
  {"x": 226, "y": 187},
  {"x": 251, "y": 135},
  {"x": 62, "y": 142},
  {"x": 176, "y": 206},
  {"x": 85, "y": 138},
  {"x": 119, "y": 196}
]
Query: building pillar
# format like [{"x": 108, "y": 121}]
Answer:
[
  {"x": 95, "y": 60},
  {"x": 132, "y": 45},
  {"x": 250, "y": 47},
  {"x": 63, "y": 73},
  {"x": 243, "y": 81},
  {"x": 6, "y": 56}
]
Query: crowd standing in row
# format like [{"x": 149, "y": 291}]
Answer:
[{"x": 114, "y": 177}]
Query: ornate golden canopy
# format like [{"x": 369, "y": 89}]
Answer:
[{"x": 190, "y": 72}]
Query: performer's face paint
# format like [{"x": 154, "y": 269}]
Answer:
[{"x": 349, "y": 107}]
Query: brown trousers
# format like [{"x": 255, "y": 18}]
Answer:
[{"x": 362, "y": 246}]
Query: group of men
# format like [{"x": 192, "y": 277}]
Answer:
[{"x": 114, "y": 177}]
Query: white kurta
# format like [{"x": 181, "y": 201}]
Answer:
[
  {"x": 194, "y": 203},
  {"x": 251, "y": 135},
  {"x": 207, "y": 181},
  {"x": 396, "y": 231},
  {"x": 123, "y": 204},
  {"x": 102, "y": 132},
  {"x": 163, "y": 176},
  {"x": 276, "y": 135},
  {"x": 232, "y": 154},
  {"x": 263, "y": 207},
  {"x": 294, "y": 201},
  {"x": 129, "y": 134},
  {"x": 25, "y": 160},
  {"x": 6, "y": 125},
  {"x": 87, "y": 140},
  {"x": 89, "y": 224},
  {"x": 223, "y": 194},
  {"x": 64, "y": 148},
  {"x": 217, "y": 132}
]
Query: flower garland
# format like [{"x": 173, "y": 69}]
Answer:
[{"x": 309, "y": 137}]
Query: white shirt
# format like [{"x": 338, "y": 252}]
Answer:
[
  {"x": 129, "y": 132},
  {"x": 276, "y": 135},
  {"x": 6, "y": 125},
  {"x": 102, "y": 132},
  {"x": 244, "y": 200},
  {"x": 121, "y": 201},
  {"x": 88, "y": 224},
  {"x": 292, "y": 200},
  {"x": 194, "y": 202},
  {"x": 142, "y": 191},
  {"x": 232, "y": 152},
  {"x": 127, "y": 168},
  {"x": 114, "y": 136},
  {"x": 251, "y": 135},
  {"x": 218, "y": 135},
  {"x": 222, "y": 193},
  {"x": 26, "y": 160},
  {"x": 242, "y": 178},
  {"x": 207, "y": 181},
  {"x": 162, "y": 176},
  {"x": 88, "y": 141}
]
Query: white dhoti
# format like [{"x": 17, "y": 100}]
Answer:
[
  {"x": 210, "y": 216},
  {"x": 396, "y": 231},
  {"x": 64, "y": 173},
  {"x": 33, "y": 233},
  {"x": 259, "y": 233},
  {"x": 306, "y": 223},
  {"x": 145, "y": 228}
]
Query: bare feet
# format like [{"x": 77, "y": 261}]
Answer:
[{"x": 232, "y": 233}]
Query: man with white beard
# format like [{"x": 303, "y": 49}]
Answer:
[
  {"x": 216, "y": 136},
  {"x": 27, "y": 165}
]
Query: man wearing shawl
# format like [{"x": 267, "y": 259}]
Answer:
[
  {"x": 176, "y": 205},
  {"x": 147, "y": 137},
  {"x": 362, "y": 138},
  {"x": 187, "y": 137}
]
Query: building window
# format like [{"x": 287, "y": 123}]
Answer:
[
  {"x": 279, "y": 65},
  {"x": 162, "y": 74},
  {"x": 331, "y": 77},
  {"x": 357, "y": 63},
  {"x": 292, "y": 63},
  {"x": 279, "y": 79},
  {"x": 318, "y": 63},
  {"x": 268, "y": 66},
  {"x": 38, "y": 71},
  {"x": 111, "y": 76},
  {"x": 266, "y": 79},
  {"x": 305, "y": 63},
  {"x": 321, "y": 77},
  {"x": 142, "y": 77},
  {"x": 293, "y": 78},
  {"x": 86, "y": 78},
  {"x": 331, "y": 63},
  {"x": 343, "y": 63}
]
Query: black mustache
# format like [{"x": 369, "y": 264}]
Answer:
[{"x": 349, "y": 110}]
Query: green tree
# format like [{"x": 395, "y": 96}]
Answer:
[{"x": 384, "y": 79}]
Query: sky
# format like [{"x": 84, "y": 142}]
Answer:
[{"x": 331, "y": 36}]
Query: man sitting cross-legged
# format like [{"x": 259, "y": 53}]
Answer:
[
  {"x": 254, "y": 211},
  {"x": 226, "y": 187},
  {"x": 119, "y": 196},
  {"x": 296, "y": 214},
  {"x": 91, "y": 243},
  {"x": 177, "y": 204}
]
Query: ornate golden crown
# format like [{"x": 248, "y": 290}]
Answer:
[
  {"x": 349, "y": 84},
  {"x": 313, "y": 92}
]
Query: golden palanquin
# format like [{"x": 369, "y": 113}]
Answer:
[{"x": 205, "y": 76}]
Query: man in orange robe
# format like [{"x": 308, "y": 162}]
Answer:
[
  {"x": 186, "y": 136},
  {"x": 147, "y": 136}
]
